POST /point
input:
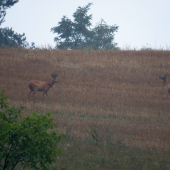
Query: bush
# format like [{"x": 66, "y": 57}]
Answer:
[{"x": 29, "y": 140}]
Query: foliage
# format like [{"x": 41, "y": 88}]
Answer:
[
  {"x": 28, "y": 140},
  {"x": 7, "y": 36},
  {"x": 78, "y": 34},
  {"x": 104, "y": 36},
  {"x": 11, "y": 39},
  {"x": 5, "y": 4},
  {"x": 65, "y": 30}
]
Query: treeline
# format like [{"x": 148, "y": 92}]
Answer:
[{"x": 76, "y": 34}]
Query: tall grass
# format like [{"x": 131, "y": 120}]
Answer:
[{"x": 103, "y": 100}]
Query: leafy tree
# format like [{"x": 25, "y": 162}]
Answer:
[
  {"x": 65, "y": 31},
  {"x": 11, "y": 39},
  {"x": 78, "y": 34},
  {"x": 74, "y": 34},
  {"x": 104, "y": 36},
  {"x": 5, "y": 4},
  {"x": 7, "y": 36},
  {"x": 28, "y": 140},
  {"x": 82, "y": 32}
]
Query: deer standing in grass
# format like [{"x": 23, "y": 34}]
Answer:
[
  {"x": 167, "y": 86},
  {"x": 44, "y": 87}
]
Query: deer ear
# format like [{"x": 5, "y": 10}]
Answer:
[{"x": 56, "y": 75}]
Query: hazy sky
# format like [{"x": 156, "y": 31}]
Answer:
[{"x": 141, "y": 22}]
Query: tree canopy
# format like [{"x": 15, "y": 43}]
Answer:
[
  {"x": 5, "y": 4},
  {"x": 79, "y": 34},
  {"x": 7, "y": 36}
]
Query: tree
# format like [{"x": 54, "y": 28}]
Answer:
[
  {"x": 74, "y": 35},
  {"x": 65, "y": 31},
  {"x": 78, "y": 34},
  {"x": 7, "y": 36},
  {"x": 5, "y": 4},
  {"x": 27, "y": 140},
  {"x": 104, "y": 36},
  {"x": 82, "y": 32}
]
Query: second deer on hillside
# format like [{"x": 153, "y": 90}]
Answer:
[
  {"x": 44, "y": 87},
  {"x": 167, "y": 86}
]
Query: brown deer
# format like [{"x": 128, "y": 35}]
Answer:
[
  {"x": 167, "y": 86},
  {"x": 44, "y": 87}
]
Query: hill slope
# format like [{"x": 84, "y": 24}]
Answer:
[{"x": 113, "y": 93}]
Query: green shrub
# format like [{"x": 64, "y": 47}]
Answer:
[{"x": 29, "y": 140}]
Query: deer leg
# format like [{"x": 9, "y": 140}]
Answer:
[
  {"x": 29, "y": 94},
  {"x": 34, "y": 92},
  {"x": 46, "y": 94},
  {"x": 43, "y": 96}
]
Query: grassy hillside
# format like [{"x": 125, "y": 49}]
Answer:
[{"x": 111, "y": 104}]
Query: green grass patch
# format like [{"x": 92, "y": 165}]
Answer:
[{"x": 92, "y": 156}]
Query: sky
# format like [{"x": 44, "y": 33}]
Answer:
[{"x": 142, "y": 23}]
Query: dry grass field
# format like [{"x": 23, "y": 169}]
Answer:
[{"x": 111, "y": 104}]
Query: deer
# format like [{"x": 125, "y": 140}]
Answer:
[
  {"x": 167, "y": 86},
  {"x": 40, "y": 86}
]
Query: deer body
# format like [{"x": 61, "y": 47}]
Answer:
[
  {"x": 44, "y": 87},
  {"x": 167, "y": 86}
]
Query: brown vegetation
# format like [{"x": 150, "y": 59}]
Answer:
[{"x": 115, "y": 92}]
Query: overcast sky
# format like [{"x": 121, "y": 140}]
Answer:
[{"x": 142, "y": 23}]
